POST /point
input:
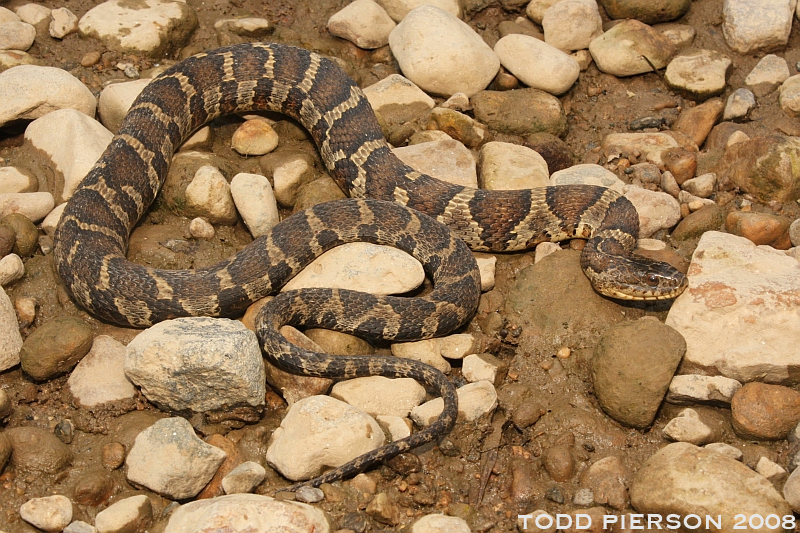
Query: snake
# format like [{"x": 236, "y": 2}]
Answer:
[{"x": 390, "y": 203}]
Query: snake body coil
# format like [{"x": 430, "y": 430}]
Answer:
[{"x": 92, "y": 237}]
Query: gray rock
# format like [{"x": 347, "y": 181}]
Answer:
[
  {"x": 198, "y": 364},
  {"x": 794, "y": 233},
  {"x": 169, "y": 459},
  {"x": 684, "y": 479},
  {"x": 16, "y": 35},
  {"x": 695, "y": 388},
  {"x": 791, "y": 490},
  {"x": 79, "y": 526},
  {"x": 739, "y": 104},
  {"x": 764, "y": 25},
  {"x": 767, "y": 75},
  {"x": 687, "y": 427},
  {"x": 632, "y": 367},
  {"x": 153, "y": 27}
]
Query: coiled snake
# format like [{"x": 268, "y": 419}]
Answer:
[{"x": 92, "y": 237}]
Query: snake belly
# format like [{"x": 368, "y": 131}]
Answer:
[{"x": 91, "y": 240}]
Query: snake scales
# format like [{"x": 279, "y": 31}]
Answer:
[{"x": 92, "y": 237}]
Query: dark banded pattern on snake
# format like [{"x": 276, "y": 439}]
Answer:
[{"x": 92, "y": 237}]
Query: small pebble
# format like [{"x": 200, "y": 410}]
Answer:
[
  {"x": 559, "y": 463},
  {"x": 308, "y": 494},
  {"x": 726, "y": 449},
  {"x": 27, "y": 236},
  {"x": 201, "y": 229},
  {"x": 90, "y": 58},
  {"x": 254, "y": 137},
  {"x": 687, "y": 427},
  {"x": 771, "y": 470},
  {"x": 11, "y": 269},
  {"x": 113, "y": 455}
]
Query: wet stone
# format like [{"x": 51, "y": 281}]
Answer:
[
  {"x": 555, "y": 152},
  {"x": 37, "y": 450},
  {"x": 384, "y": 509},
  {"x": 711, "y": 217},
  {"x": 607, "y": 479},
  {"x": 559, "y": 462},
  {"x": 93, "y": 487},
  {"x": 26, "y": 236}
]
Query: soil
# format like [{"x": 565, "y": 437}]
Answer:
[{"x": 470, "y": 473}]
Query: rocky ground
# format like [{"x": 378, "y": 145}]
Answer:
[{"x": 570, "y": 402}]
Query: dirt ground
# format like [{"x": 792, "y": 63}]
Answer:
[{"x": 466, "y": 475}]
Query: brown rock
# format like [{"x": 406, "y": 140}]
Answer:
[
  {"x": 316, "y": 192},
  {"x": 708, "y": 218},
  {"x": 113, "y": 455},
  {"x": 765, "y": 411},
  {"x": 608, "y": 480},
  {"x": 384, "y": 510},
  {"x": 555, "y": 152},
  {"x": 681, "y": 162},
  {"x": 647, "y": 12},
  {"x": 528, "y": 412},
  {"x": 55, "y": 347},
  {"x": 524, "y": 487},
  {"x": 233, "y": 459},
  {"x": 521, "y": 111},
  {"x": 761, "y": 228},
  {"x": 696, "y": 122},
  {"x": 458, "y": 126},
  {"x": 93, "y": 487},
  {"x": 37, "y": 449},
  {"x": 762, "y": 166},
  {"x": 7, "y": 239},
  {"x": 26, "y": 236},
  {"x": 718, "y": 138},
  {"x": 559, "y": 462}
]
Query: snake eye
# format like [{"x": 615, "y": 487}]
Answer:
[{"x": 652, "y": 280}]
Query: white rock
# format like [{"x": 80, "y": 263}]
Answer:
[
  {"x": 651, "y": 244},
  {"x": 378, "y": 395},
  {"x": 33, "y": 13},
  {"x": 650, "y": 145},
  {"x": 363, "y": 23},
  {"x": 774, "y": 472},
  {"x": 694, "y": 202},
  {"x": 99, "y": 377},
  {"x": 543, "y": 249},
  {"x": 12, "y": 180},
  {"x": 396, "y": 427},
  {"x": 50, "y": 222},
  {"x": 790, "y": 96},
  {"x": 11, "y": 269},
  {"x": 244, "y": 478},
  {"x": 702, "y": 186},
  {"x": 474, "y": 400},
  {"x": 767, "y": 75},
  {"x": 432, "y": 351},
  {"x": 73, "y": 141},
  {"x": 696, "y": 388},
  {"x": 255, "y": 202},
  {"x": 247, "y": 513},
  {"x": 687, "y": 427},
  {"x": 537, "y": 63},
  {"x": 288, "y": 177},
  {"x": 128, "y": 514},
  {"x": 51, "y": 513},
  {"x": 64, "y": 22},
  {"x": 169, "y": 459},
  {"x": 116, "y": 99},
  {"x": 398, "y": 9},
  {"x": 398, "y": 100},
  {"x": 254, "y": 137},
  {"x": 439, "y": 523},
  {"x": 34, "y": 205},
  {"x": 318, "y": 433},
  {"x": 701, "y": 73},
  {"x": 362, "y": 266},
  {"x": 31, "y": 91},
  {"x": 763, "y": 25},
  {"x": 198, "y": 364},
  {"x": 725, "y": 449},
  {"x": 739, "y": 104},
  {"x": 621, "y": 50},
  {"x": 511, "y": 166},
  {"x": 209, "y": 196},
  {"x": 739, "y": 316},
  {"x": 483, "y": 367},
  {"x": 587, "y": 174},
  {"x": 442, "y": 54},
  {"x": 10, "y": 338},
  {"x": 6, "y": 15},
  {"x": 657, "y": 210},
  {"x": 150, "y": 26},
  {"x": 201, "y": 229},
  {"x": 447, "y": 160},
  {"x": 16, "y": 35},
  {"x": 572, "y": 24},
  {"x": 486, "y": 266}
]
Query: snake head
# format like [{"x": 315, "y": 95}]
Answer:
[{"x": 633, "y": 277}]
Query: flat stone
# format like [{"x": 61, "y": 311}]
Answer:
[
  {"x": 506, "y": 166},
  {"x": 244, "y": 478},
  {"x": 651, "y": 146},
  {"x": 699, "y": 74},
  {"x": 587, "y": 174},
  {"x": 474, "y": 400},
  {"x": 99, "y": 377},
  {"x": 398, "y": 100},
  {"x": 447, "y": 160},
  {"x": 687, "y": 427},
  {"x": 696, "y": 388},
  {"x": 245, "y": 513},
  {"x": 538, "y": 64},
  {"x": 378, "y": 395},
  {"x": 767, "y": 75},
  {"x": 33, "y": 13},
  {"x": 620, "y": 50},
  {"x": 16, "y": 180},
  {"x": 64, "y": 22},
  {"x": 739, "y": 104},
  {"x": 128, "y": 514},
  {"x": 439, "y": 523},
  {"x": 732, "y": 281},
  {"x": 362, "y": 22},
  {"x": 10, "y": 337},
  {"x": 427, "y": 35},
  {"x": 153, "y": 27},
  {"x": 764, "y": 25},
  {"x": 51, "y": 513},
  {"x": 697, "y": 122}
]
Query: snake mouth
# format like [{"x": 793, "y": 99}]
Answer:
[{"x": 636, "y": 293}]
